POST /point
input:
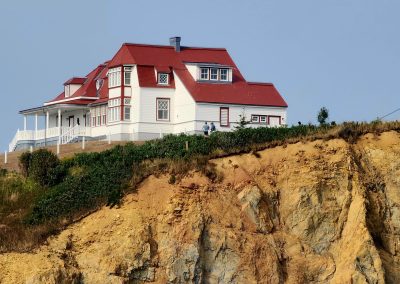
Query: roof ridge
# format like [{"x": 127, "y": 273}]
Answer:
[
  {"x": 171, "y": 47},
  {"x": 260, "y": 83}
]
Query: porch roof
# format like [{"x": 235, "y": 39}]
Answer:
[{"x": 52, "y": 108}]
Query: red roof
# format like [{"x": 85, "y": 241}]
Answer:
[
  {"x": 238, "y": 92},
  {"x": 151, "y": 59},
  {"x": 75, "y": 80}
]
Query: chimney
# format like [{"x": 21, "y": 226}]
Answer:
[{"x": 175, "y": 42}]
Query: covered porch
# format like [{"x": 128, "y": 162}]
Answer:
[{"x": 54, "y": 124}]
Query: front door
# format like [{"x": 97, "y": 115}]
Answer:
[{"x": 71, "y": 121}]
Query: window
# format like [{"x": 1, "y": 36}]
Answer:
[
  {"x": 93, "y": 115},
  {"x": 114, "y": 77},
  {"x": 223, "y": 74},
  {"x": 224, "y": 116},
  {"x": 114, "y": 110},
  {"x": 214, "y": 74},
  {"x": 163, "y": 78},
  {"x": 263, "y": 119},
  {"x": 162, "y": 109},
  {"x": 104, "y": 116},
  {"x": 127, "y": 76},
  {"x": 255, "y": 118},
  {"x": 204, "y": 73},
  {"x": 98, "y": 113},
  {"x": 127, "y": 113}
]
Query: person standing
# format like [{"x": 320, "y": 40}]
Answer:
[
  {"x": 212, "y": 127},
  {"x": 206, "y": 128}
]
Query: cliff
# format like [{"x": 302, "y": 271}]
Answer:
[{"x": 319, "y": 212}]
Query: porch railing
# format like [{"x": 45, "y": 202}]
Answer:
[
  {"x": 72, "y": 133},
  {"x": 67, "y": 135}
]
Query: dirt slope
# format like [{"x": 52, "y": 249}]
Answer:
[{"x": 321, "y": 212}]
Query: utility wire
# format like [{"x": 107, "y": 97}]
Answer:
[{"x": 396, "y": 110}]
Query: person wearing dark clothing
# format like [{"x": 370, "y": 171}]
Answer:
[
  {"x": 206, "y": 128},
  {"x": 212, "y": 127}
]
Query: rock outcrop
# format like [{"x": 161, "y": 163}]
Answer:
[{"x": 319, "y": 212}]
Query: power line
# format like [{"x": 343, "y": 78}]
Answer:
[{"x": 396, "y": 110}]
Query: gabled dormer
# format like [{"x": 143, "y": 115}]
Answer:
[
  {"x": 72, "y": 85},
  {"x": 210, "y": 72}
]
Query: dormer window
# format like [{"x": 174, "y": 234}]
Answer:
[
  {"x": 163, "y": 79},
  {"x": 216, "y": 74},
  {"x": 223, "y": 74},
  {"x": 213, "y": 74},
  {"x": 204, "y": 73}
]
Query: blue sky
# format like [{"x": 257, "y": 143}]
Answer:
[{"x": 342, "y": 54}]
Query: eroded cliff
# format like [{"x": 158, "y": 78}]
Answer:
[{"x": 320, "y": 212}]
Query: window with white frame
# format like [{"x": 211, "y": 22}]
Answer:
[
  {"x": 162, "y": 109},
  {"x": 204, "y": 73},
  {"x": 98, "y": 115},
  {"x": 114, "y": 110},
  {"x": 223, "y": 74},
  {"x": 127, "y": 113},
  {"x": 255, "y": 118},
  {"x": 163, "y": 78},
  {"x": 93, "y": 116},
  {"x": 114, "y": 77},
  {"x": 127, "y": 75},
  {"x": 214, "y": 74},
  {"x": 104, "y": 115},
  {"x": 263, "y": 119}
]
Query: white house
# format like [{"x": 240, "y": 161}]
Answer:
[{"x": 146, "y": 91}]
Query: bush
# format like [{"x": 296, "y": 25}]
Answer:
[
  {"x": 24, "y": 163},
  {"x": 42, "y": 166},
  {"x": 91, "y": 179}
]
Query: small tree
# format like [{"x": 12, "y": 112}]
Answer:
[
  {"x": 323, "y": 115},
  {"x": 242, "y": 121}
]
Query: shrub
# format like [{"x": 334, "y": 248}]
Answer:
[
  {"x": 24, "y": 163},
  {"x": 42, "y": 166},
  {"x": 91, "y": 179}
]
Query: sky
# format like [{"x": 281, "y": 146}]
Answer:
[{"x": 341, "y": 54}]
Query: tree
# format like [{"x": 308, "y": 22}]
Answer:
[
  {"x": 242, "y": 121},
  {"x": 323, "y": 115}
]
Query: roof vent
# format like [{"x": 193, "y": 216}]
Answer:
[{"x": 175, "y": 42}]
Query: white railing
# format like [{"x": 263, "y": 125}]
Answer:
[
  {"x": 67, "y": 135},
  {"x": 72, "y": 133}
]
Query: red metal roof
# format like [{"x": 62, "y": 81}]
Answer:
[
  {"x": 238, "y": 92},
  {"x": 75, "y": 80},
  {"x": 152, "y": 58},
  {"x": 147, "y": 78}
]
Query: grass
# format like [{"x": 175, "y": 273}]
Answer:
[{"x": 29, "y": 212}]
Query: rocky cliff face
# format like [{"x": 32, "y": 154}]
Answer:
[{"x": 321, "y": 212}]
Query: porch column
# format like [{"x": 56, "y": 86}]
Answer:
[
  {"x": 25, "y": 122},
  {"x": 59, "y": 125},
  {"x": 46, "y": 128},
  {"x": 36, "y": 127}
]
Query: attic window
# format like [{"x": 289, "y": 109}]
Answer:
[
  {"x": 162, "y": 78},
  {"x": 214, "y": 74}
]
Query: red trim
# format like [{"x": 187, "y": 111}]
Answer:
[
  {"x": 169, "y": 109},
  {"x": 122, "y": 92},
  {"x": 220, "y": 112}
]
